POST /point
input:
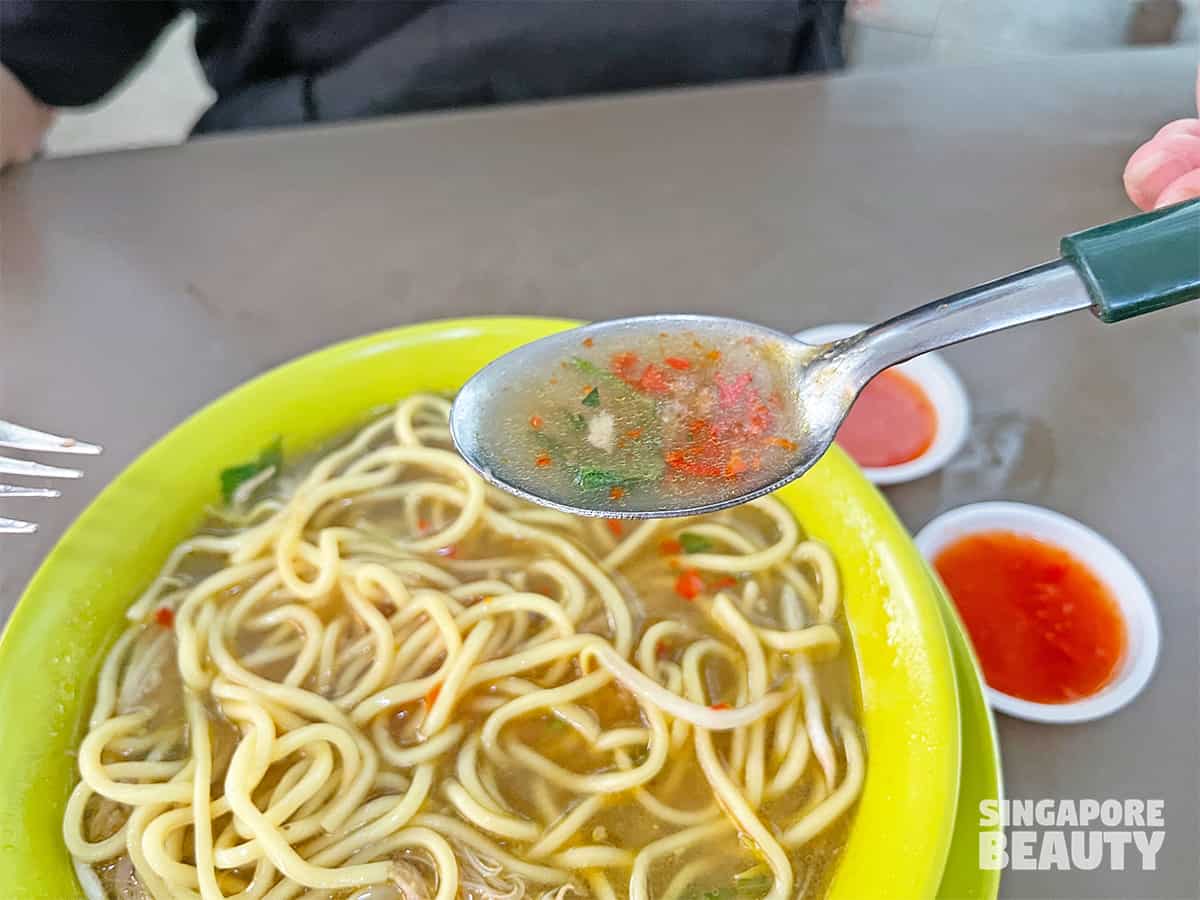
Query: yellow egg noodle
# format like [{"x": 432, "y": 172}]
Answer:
[{"x": 389, "y": 680}]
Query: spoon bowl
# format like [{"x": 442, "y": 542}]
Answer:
[
  {"x": 827, "y": 378},
  {"x": 724, "y": 411}
]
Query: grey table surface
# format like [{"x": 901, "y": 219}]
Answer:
[{"x": 138, "y": 286}]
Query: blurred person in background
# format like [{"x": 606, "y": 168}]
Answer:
[
  {"x": 289, "y": 62},
  {"x": 284, "y": 62}
]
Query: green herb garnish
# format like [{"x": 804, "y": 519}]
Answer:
[
  {"x": 235, "y": 476},
  {"x": 640, "y": 461},
  {"x": 591, "y": 478},
  {"x": 694, "y": 543},
  {"x": 586, "y": 366},
  {"x": 644, "y": 404}
]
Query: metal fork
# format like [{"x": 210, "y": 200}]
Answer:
[{"x": 22, "y": 438}]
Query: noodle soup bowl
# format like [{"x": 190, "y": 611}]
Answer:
[{"x": 74, "y": 607}]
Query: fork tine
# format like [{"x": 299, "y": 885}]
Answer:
[
  {"x": 16, "y": 526},
  {"x": 9, "y": 466},
  {"x": 20, "y": 490},
  {"x": 22, "y": 438}
]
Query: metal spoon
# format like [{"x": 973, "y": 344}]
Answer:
[{"x": 1118, "y": 270}]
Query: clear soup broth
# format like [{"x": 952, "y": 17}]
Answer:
[{"x": 629, "y": 419}]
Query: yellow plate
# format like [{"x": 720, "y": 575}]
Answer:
[{"x": 73, "y": 608}]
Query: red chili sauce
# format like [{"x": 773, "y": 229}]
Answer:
[
  {"x": 1043, "y": 625},
  {"x": 891, "y": 422}
]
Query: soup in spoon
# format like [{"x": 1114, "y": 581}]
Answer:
[{"x": 623, "y": 419}]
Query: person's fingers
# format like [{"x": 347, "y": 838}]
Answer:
[
  {"x": 1179, "y": 126},
  {"x": 1186, "y": 187},
  {"x": 1157, "y": 164}
]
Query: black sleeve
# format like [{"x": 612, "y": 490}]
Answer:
[{"x": 73, "y": 52}]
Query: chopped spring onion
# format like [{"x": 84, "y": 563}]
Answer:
[
  {"x": 234, "y": 477},
  {"x": 694, "y": 543},
  {"x": 592, "y": 478}
]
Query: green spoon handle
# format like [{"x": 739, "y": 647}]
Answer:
[{"x": 1140, "y": 264}]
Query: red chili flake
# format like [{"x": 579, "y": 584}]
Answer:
[
  {"x": 542, "y": 461},
  {"x": 720, "y": 706},
  {"x": 782, "y": 442},
  {"x": 616, "y": 493},
  {"x": 761, "y": 419},
  {"x": 450, "y": 552},
  {"x": 670, "y": 547},
  {"x": 653, "y": 381},
  {"x": 685, "y": 461},
  {"x": 615, "y": 526},
  {"x": 679, "y": 363},
  {"x": 661, "y": 650},
  {"x": 736, "y": 465},
  {"x": 431, "y": 697},
  {"x": 536, "y": 422},
  {"x": 633, "y": 433},
  {"x": 623, "y": 365},
  {"x": 165, "y": 616},
  {"x": 689, "y": 585},
  {"x": 588, "y": 342},
  {"x": 729, "y": 392},
  {"x": 725, "y": 581}
]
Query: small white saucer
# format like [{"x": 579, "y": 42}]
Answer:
[
  {"x": 943, "y": 388},
  {"x": 1108, "y": 563}
]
